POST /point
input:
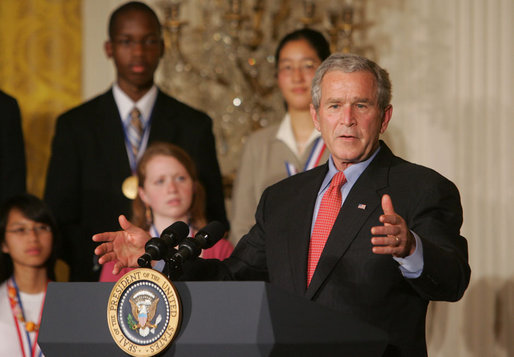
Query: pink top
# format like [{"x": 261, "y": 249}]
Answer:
[{"x": 220, "y": 250}]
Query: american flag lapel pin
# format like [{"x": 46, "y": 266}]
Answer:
[{"x": 361, "y": 206}]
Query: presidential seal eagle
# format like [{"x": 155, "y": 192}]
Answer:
[{"x": 144, "y": 306}]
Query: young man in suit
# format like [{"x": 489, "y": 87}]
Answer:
[
  {"x": 12, "y": 149},
  {"x": 95, "y": 150},
  {"x": 379, "y": 262}
]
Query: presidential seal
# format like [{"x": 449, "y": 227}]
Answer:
[{"x": 143, "y": 312}]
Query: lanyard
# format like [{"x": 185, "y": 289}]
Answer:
[
  {"x": 318, "y": 148},
  {"x": 18, "y": 313}
]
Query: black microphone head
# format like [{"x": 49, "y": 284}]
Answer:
[
  {"x": 175, "y": 233},
  {"x": 211, "y": 234},
  {"x": 155, "y": 249},
  {"x": 144, "y": 260}
]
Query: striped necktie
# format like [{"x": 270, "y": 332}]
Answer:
[
  {"x": 135, "y": 130},
  {"x": 328, "y": 211}
]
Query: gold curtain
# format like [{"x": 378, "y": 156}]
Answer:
[{"x": 40, "y": 65}]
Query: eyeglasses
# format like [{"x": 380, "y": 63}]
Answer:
[
  {"x": 305, "y": 67},
  {"x": 150, "y": 42},
  {"x": 23, "y": 231}
]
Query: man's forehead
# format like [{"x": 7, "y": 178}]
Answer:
[
  {"x": 341, "y": 85},
  {"x": 337, "y": 73}
]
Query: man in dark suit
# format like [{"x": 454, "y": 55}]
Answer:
[
  {"x": 12, "y": 149},
  {"x": 381, "y": 263},
  {"x": 92, "y": 152}
]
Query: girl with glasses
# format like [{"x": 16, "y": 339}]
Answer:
[
  {"x": 28, "y": 242},
  {"x": 291, "y": 146}
]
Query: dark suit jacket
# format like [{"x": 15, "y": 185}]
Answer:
[
  {"x": 12, "y": 149},
  {"x": 89, "y": 163},
  {"x": 350, "y": 278}
]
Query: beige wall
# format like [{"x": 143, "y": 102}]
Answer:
[
  {"x": 98, "y": 71},
  {"x": 452, "y": 70}
]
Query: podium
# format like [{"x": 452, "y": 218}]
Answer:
[{"x": 218, "y": 319}]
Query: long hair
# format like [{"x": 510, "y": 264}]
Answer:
[
  {"x": 35, "y": 210},
  {"x": 197, "y": 209}
]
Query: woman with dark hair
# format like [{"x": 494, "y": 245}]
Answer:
[
  {"x": 168, "y": 191},
  {"x": 28, "y": 241},
  {"x": 278, "y": 151}
]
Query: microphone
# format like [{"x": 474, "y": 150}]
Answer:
[
  {"x": 191, "y": 247},
  {"x": 161, "y": 248}
]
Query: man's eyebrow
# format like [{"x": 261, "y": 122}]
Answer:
[
  {"x": 353, "y": 100},
  {"x": 362, "y": 100}
]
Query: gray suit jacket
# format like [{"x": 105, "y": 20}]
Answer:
[{"x": 262, "y": 164}]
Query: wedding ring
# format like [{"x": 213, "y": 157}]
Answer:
[{"x": 397, "y": 240}]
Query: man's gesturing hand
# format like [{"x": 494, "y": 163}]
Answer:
[
  {"x": 394, "y": 237},
  {"x": 123, "y": 247}
]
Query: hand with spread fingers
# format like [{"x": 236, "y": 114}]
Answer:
[
  {"x": 123, "y": 247},
  {"x": 394, "y": 237}
]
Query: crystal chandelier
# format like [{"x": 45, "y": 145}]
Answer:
[{"x": 225, "y": 64}]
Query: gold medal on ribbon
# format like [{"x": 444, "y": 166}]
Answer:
[{"x": 129, "y": 187}]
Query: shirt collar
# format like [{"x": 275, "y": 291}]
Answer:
[
  {"x": 352, "y": 173},
  {"x": 286, "y": 135},
  {"x": 125, "y": 104}
]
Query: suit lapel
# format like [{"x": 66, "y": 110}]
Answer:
[
  {"x": 111, "y": 136},
  {"x": 163, "y": 126},
  {"x": 299, "y": 233},
  {"x": 361, "y": 202}
]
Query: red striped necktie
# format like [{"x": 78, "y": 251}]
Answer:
[{"x": 328, "y": 211}]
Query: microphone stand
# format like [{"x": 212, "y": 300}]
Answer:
[
  {"x": 172, "y": 269},
  {"x": 188, "y": 249}
]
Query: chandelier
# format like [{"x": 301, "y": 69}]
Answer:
[{"x": 225, "y": 65}]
